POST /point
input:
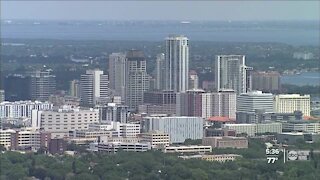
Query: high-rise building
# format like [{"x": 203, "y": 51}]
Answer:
[
  {"x": 160, "y": 72},
  {"x": 178, "y": 128},
  {"x": 250, "y": 103},
  {"x": 189, "y": 103},
  {"x": 221, "y": 104},
  {"x": 193, "y": 80},
  {"x": 94, "y": 88},
  {"x": 266, "y": 81},
  {"x": 288, "y": 103},
  {"x": 17, "y": 87},
  {"x": 2, "y": 95},
  {"x": 137, "y": 79},
  {"x": 74, "y": 88},
  {"x": 43, "y": 84},
  {"x": 113, "y": 112},
  {"x": 159, "y": 102},
  {"x": 117, "y": 69},
  {"x": 177, "y": 63},
  {"x": 231, "y": 72}
]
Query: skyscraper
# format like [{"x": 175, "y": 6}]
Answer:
[
  {"x": 232, "y": 73},
  {"x": 117, "y": 68},
  {"x": 177, "y": 63},
  {"x": 74, "y": 88},
  {"x": 160, "y": 72},
  {"x": 94, "y": 88},
  {"x": 136, "y": 78},
  {"x": 193, "y": 80},
  {"x": 43, "y": 84}
]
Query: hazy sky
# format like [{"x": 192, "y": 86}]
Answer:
[{"x": 161, "y": 10}]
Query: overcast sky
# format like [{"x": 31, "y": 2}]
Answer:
[{"x": 161, "y": 10}]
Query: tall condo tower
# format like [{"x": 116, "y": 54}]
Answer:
[
  {"x": 136, "y": 78},
  {"x": 43, "y": 84},
  {"x": 117, "y": 69},
  {"x": 177, "y": 63},
  {"x": 94, "y": 88},
  {"x": 160, "y": 72},
  {"x": 232, "y": 73}
]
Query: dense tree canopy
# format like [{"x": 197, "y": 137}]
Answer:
[{"x": 148, "y": 165}]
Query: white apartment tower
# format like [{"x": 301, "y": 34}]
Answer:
[
  {"x": 177, "y": 63},
  {"x": 117, "y": 68},
  {"x": 219, "y": 104},
  {"x": 94, "y": 88},
  {"x": 232, "y": 73},
  {"x": 136, "y": 78},
  {"x": 288, "y": 103}
]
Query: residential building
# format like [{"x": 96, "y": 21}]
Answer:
[
  {"x": 157, "y": 139},
  {"x": 231, "y": 72},
  {"x": 193, "y": 80},
  {"x": 288, "y": 103},
  {"x": 222, "y": 104},
  {"x": 18, "y": 111},
  {"x": 189, "y": 103},
  {"x": 74, "y": 89},
  {"x": 266, "y": 81},
  {"x": 117, "y": 73},
  {"x": 137, "y": 79},
  {"x": 188, "y": 149},
  {"x": 225, "y": 142},
  {"x": 250, "y": 103},
  {"x": 159, "y": 102},
  {"x": 94, "y": 88},
  {"x": 178, "y": 128},
  {"x": 113, "y": 112},
  {"x": 2, "y": 95},
  {"x": 43, "y": 84},
  {"x": 160, "y": 72},
  {"x": 177, "y": 63}
]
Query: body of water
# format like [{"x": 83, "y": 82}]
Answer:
[
  {"x": 295, "y": 33},
  {"x": 306, "y": 78}
]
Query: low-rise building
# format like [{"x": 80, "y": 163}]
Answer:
[
  {"x": 157, "y": 139},
  {"x": 24, "y": 139},
  {"x": 113, "y": 147},
  {"x": 253, "y": 129},
  {"x": 302, "y": 126},
  {"x": 188, "y": 149},
  {"x": 225, "y": 142}
]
